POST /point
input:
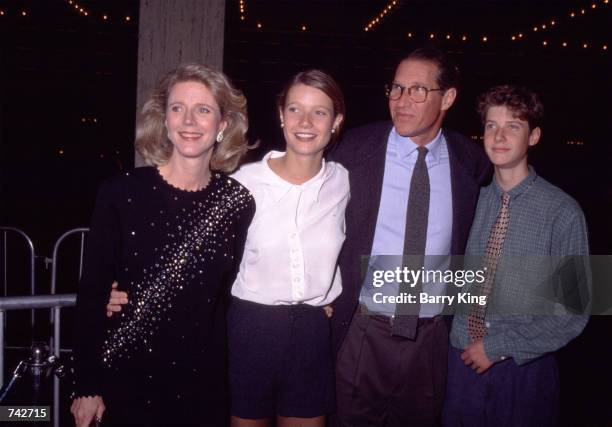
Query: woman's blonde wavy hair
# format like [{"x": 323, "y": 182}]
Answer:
[{"x": 151, "y": 135}]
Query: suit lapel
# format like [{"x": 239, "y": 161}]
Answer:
[
  {"x": 464, "y": 193},
  {"x": 367, "y": 189}
]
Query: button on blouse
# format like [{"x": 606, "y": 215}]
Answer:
[{"x": 295, "y": 237}]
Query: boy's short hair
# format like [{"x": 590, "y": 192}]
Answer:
[{"x": 526, "y": 105}]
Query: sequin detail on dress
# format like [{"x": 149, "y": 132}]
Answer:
[{"x": 196, "y": 240}]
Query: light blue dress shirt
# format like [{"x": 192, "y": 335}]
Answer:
[{"x": 400, "y": 159}]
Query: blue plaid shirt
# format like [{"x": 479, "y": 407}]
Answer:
[{"x": 546, "y": 238}]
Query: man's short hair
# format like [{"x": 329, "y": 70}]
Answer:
[
  {"x": 525, "y": 105},
  {"x": 448, "y": 73}
]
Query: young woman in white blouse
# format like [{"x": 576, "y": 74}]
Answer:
[
  {"x": 279, "y": 339},
  {"x": 281, "y": 365}
]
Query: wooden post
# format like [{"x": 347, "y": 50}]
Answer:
[{"x": 172, "y": 32}]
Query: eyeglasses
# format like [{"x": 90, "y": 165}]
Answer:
[{"x": 418, "y": 94}]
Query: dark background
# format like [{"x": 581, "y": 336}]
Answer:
[{"x": 68, "y": 94}]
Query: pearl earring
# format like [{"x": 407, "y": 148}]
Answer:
[{"x": 220, "y": 136}]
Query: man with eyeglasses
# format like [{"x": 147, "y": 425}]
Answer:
[{"x": 414, "y": 188}]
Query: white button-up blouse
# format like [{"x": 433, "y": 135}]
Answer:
[{"x": 292, "y": 247}]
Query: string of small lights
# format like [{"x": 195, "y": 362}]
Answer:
[
  {"x": 483, "y": 39},
  {"x": 78, "y": 7},
  {"x": 242, "y": 10},
  {"x": 21, "y": 12},
  {"x": 540, "y": 28},
  {"x": 302, "y": 28},
  {"x": 392, "y": 5},
  {"x": 552, "y": 23},
  {"x": 375, "y": 21},
  {"x": 84, "y": 12}
]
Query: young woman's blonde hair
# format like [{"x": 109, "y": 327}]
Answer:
[{"x": 151, "y": 135}]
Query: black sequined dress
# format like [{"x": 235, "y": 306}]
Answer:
[{"x": 162, "y": 361}]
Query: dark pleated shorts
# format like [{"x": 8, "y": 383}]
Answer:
[{"x": 280, "y": 360}]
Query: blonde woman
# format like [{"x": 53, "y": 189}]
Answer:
[{"x": 171, "y": 234}]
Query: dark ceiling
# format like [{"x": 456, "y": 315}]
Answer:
[{"x": 498, "y": 19}]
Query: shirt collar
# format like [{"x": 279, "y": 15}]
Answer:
[
  {"x": 404, "y": 146},
  {"x": 518, "y": 189},
  {"x": 280, "y": 187}
]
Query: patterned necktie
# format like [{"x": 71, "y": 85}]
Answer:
[
  {"x": 476, "y": 318},
  {"x": 415, "y": 237}
]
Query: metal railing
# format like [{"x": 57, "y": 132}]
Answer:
[
  {"x": 56, "y": 247},
  {"x": 55, "y": 302},
  {"x": 5, "y": 230}
]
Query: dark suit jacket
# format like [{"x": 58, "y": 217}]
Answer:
[{"x": 362, "y": 151}]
